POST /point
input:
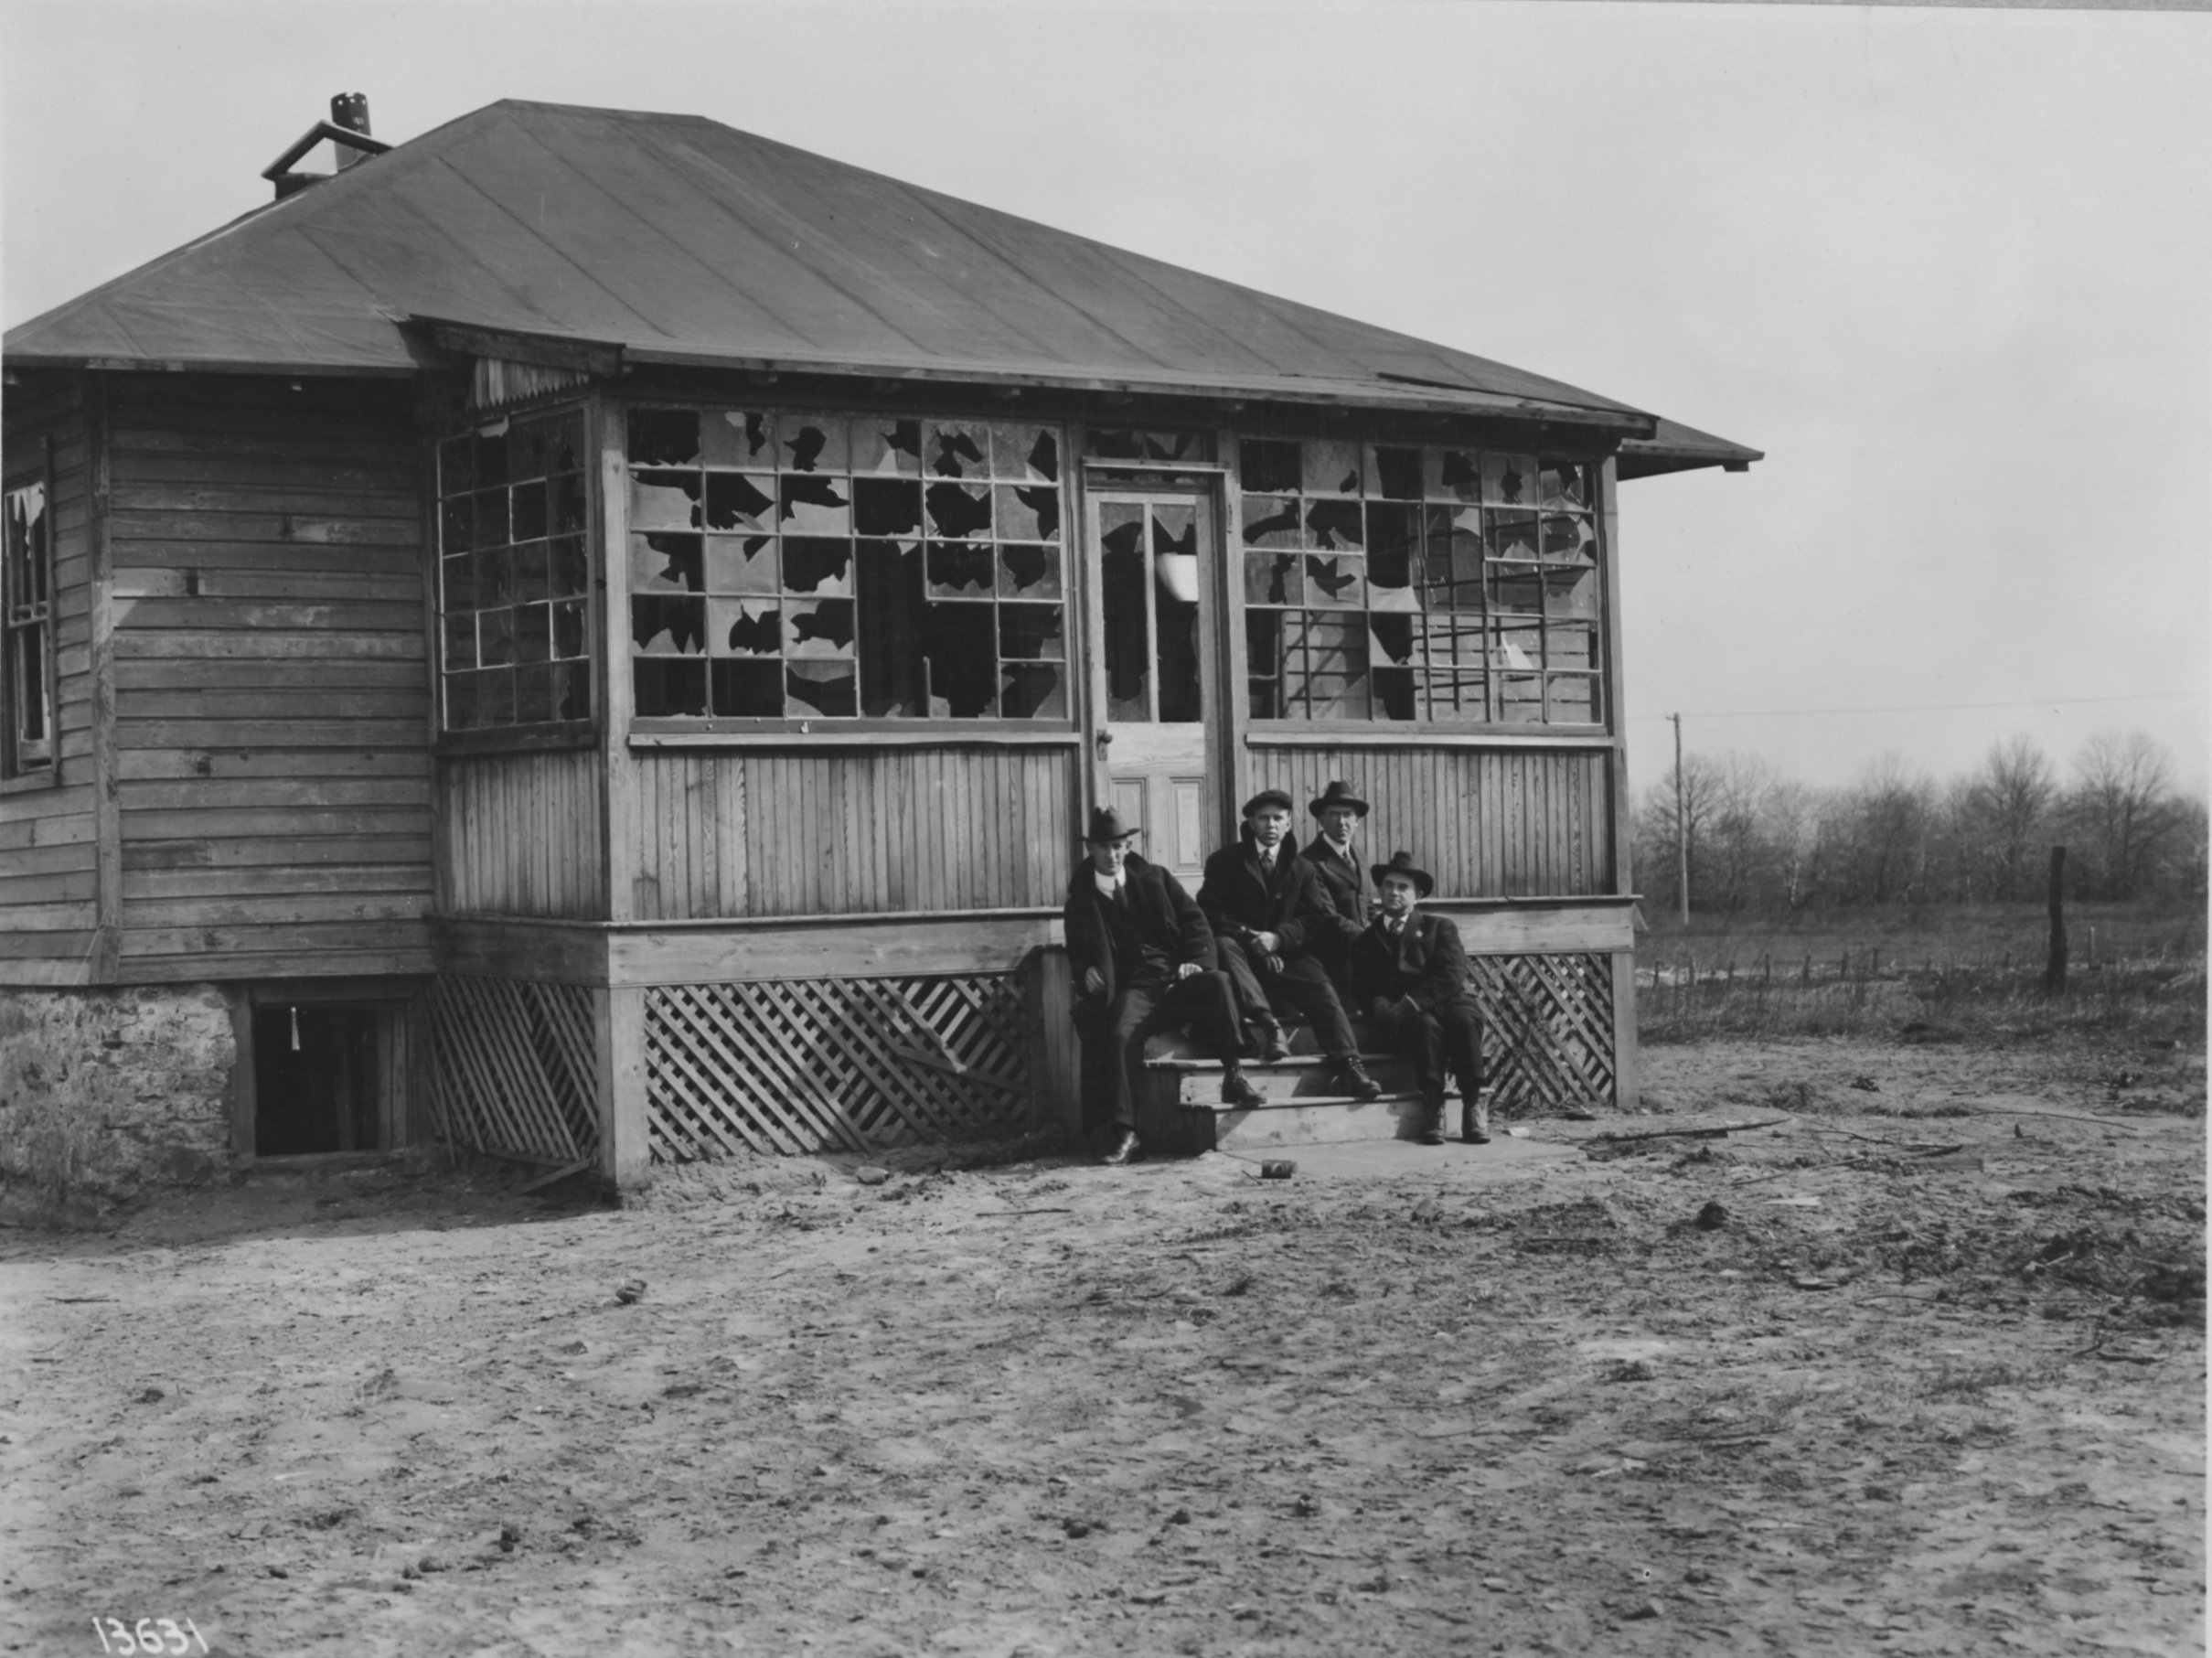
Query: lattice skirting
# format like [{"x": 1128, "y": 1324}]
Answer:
[
  {"x": 829, "y": 1065},
  {"x": 512, "y": 1066},
  {"x": 1547, "y": 1031}
]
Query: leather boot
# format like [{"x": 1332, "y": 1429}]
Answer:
[
  {"x": 1432, "y": 1120},
  {"x": 1474, "y": 1119},
  {"x": 1236, "y": 1091},
  {"x": 1356, "y": 1081},
  {"x": 1268, "y": 1036}
]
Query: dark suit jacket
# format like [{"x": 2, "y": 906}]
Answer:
[
  {"x": 1346, "y": 885},
  {"x": 1291, "y": 903},
  {"x": 1428, "y": 963},
  {"x": 1172, "y": 927}
]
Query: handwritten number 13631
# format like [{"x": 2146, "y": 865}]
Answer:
[{"x": 147, "y": 1636}]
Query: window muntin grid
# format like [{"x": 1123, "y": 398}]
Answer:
[
  {"x": 514, "y": 574},
  {"x": 26, "y": 635},
  {"x": 805, "y": 566},
  {"x": 1391, "y": 583}
]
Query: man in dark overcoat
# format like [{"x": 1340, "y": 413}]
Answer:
[
  {"x": 1267, "y": 909},
  {"x": 1409, "y": 975},
  {"x": 1340, "y": 811},
  {"x": 1143, "y": 960}
]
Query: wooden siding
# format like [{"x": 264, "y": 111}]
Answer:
[
  {"x": 48, "y": 835},
  {"x": 866, "y": 832},
  {"x": 1487, "y": 823},
  {"x": 271, "y": 703},
  {"x": 519, "y": 835}
]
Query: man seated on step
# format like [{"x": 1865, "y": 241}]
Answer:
[
  {"x": 1340, "y": 811},
  {"x": 1269, "y": 909},
  {"x": 1409, "y": 975},
  {"x": 1143, "y": 960}
]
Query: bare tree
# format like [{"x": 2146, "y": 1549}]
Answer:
[
  {"x": 2013, "y": 796},
  {"x": 2123, "y": 803}
]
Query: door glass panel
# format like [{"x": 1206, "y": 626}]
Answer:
[
  {"x": 1129, "y": 652},
  {"x": 1175, "y": 601}
]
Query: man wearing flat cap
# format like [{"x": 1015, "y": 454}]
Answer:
[
  {"x": 1268, "y": 910},
  {"x": 1340, "y": 811},
  {"x": 1143, "y": 958},
  {"x": 1409, "y": 975}
]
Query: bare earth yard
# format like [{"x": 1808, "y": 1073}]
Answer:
[{"x": 1886, "y": 1397}]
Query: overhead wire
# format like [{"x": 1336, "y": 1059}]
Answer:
[{"x": 1911, "y": 708}]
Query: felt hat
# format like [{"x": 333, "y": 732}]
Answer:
[
  {"x": 1402, "y": 863},
  {"x": 1337, "y": 794},
  {"x": 1268, "y": 797},
  {"x": 1106, "y": 824}
]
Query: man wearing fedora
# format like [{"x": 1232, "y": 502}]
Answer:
[
  {"x": 1409, "y": 973},
  {"x": 1143, "y": 958},
  {"x": 1340, "y": 811},
  {"x": 1269, "y": 909}
]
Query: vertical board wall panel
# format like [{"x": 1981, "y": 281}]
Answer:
[
  {"x": 271, "y": 696},
  {"x": 1485, "y": 822},
  {"x": 854, "y": 831},
  {"x": 522, "y": 834}
]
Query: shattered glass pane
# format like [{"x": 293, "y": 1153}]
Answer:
[
  {"x": 1572, "y": 646},
  {"x": 1572, "y": 593},
  {"x": 668, "y": 627},
  {"x": 956, "y": 449},
  {"x": 741, "y": 564},
  {"x": 495, "y": 576},
  {"x": 1271, "y": 521},
  {"x": 1512, "y": 535},
  {"x": 1332, "y": 466},
  {"x": 1569, "y": 538},
  {"x": 1451, "y": 474},
  {"x": 746, "y": 691},
  {"x": 1514, "y": 589},
  {"x": 1394, "y": 639},
  {"x": 1562, "y": 483},
  {"x": 1113, "y": 444},
  {"x": 664, "y": 562},
  {"x": 814, "y": 504},
  {"x": 1172, "y": 446},
  {"x": 1457, "y": 681},
  {"x": 530, "y": 571},
  {"x": 883, "y": 446},
  {"x": 739, "y": 500},
  {"x": 529, "y": 519},
  {"x": 1394, "y": 538},
  {"x": 1031, "y": 633},
  {"x": 957, "y": 571},
  {"x": 1521, "y": 699},
  {"x": 829, "y": 688},
  {"x": 496, "y": 637},
  {"x": 1394, "y": 473},
  {"x": 736, "y": 438},
  {"x": 1025, "y": 454},
  {"x": 819, "y": 566},
  {"x": 1264, "y": 663},
  {"x": 1029, "y": 573},
  {"x": 1329, "y": 680},
  {"x": 818, "y": 627},
  {"x": 1124, "y": 581},
  {"x": 526, "y": 451},
  {"x": 568, "y": 621},
  {"x": 564, "y": 442},
  {"x": 663, "y": 500},
  {"x": 572, "y": 691},
  {"x": 533, "y": 632},
  {"x": 894, "y": 681},
  {"x": 568, "y": 503},
  {"x": 958, "y": 511},
  {"x": 886, "y": 507},
  {"x": 568, "y": 573},
  {"x": 1509, "y": 480},
  {"x": 1516, "y": 645},
  {"x": 663, "y": 437},
  {"x": 1029, "y": 512},
  {"x": 664, "y": 687},
  {"x": 963, "y": 656},
  {"x": 1394, "y": 693},
  {"x": 1033, "y": 690},
  {"x": 1266, "y": 466},
  {"x": 744, "y": 627},
  {"x": 1336, "y": 583},
  {"x": 533, "y": 695},
  {"x": 1273, "y": 578},
  {"x": 1334, "y": 523},
  {"x": 460, "y": 641},
  {"x": 1175, "y": 626},
  {"x": 812, "y": 443}
]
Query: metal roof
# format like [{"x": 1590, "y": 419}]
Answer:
[{"x": 680, "y": 240}]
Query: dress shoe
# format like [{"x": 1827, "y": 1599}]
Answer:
[
  {"x": 1128, "y": 1151},
  {"x": 1432, "y": 1137},
  {"x": 1236, "y": 1091},
  {"x": 1474, "y": 1119},
  {"x": 1357, "y": 1083},
  {"x": 1273, "y": 1045},
  {"x": 1432, "y": 1122}
]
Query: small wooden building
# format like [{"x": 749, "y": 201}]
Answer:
[{"x": 598, "y": 632}]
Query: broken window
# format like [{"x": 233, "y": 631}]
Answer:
[
  {"x": 26, "y": 635},
  {"x": 847, "y": 567},
  {"x": 514, "y": 574},
  {"x": 1390, "y": 581}
]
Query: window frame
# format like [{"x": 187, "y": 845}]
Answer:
[
  {"x": 997, "y": 729},
  {"x": 1276, "y": 729},
  {"x": 15, "y": 777}
]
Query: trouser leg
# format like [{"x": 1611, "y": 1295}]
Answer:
[
  {"x": 1253, "y": 1006},
  {"x": 1462, "y": 1031},
  {"x": 1208, "y": 1003},
  {"x": 1304, "y": 984},
  {"x": 1128, "y": 1022}
]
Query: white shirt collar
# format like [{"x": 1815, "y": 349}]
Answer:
[{"x": 1110, "y": 884}]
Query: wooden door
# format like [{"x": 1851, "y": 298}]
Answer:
[{"x": 1156, "y": 641}]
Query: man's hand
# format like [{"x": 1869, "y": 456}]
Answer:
[
  {"x": 1183, "y": 969},
  {"x": 1268, "y": 943},
  {"x": 1094, "y": 982},
  {"x": 1406, "y": 1007}
]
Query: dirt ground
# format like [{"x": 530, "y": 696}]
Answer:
[{"x": 1882, "y": 1397}]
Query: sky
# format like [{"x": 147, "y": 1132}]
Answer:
[{"x": 1947, "y": 267}]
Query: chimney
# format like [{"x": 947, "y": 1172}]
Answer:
[{"x": 350, "y": 110}]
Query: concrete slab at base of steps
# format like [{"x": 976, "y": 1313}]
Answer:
[{"x": 1450, "y": 1164}]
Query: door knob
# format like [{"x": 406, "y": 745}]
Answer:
[{"x": 1106, "y": 739}]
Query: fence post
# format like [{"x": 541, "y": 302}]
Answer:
[{"x": 2054, "y": 972}]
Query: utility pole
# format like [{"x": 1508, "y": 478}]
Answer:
[{"x": 1681, "y": 832}]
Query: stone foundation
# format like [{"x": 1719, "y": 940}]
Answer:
[{"x": 106, "y": 1093}]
